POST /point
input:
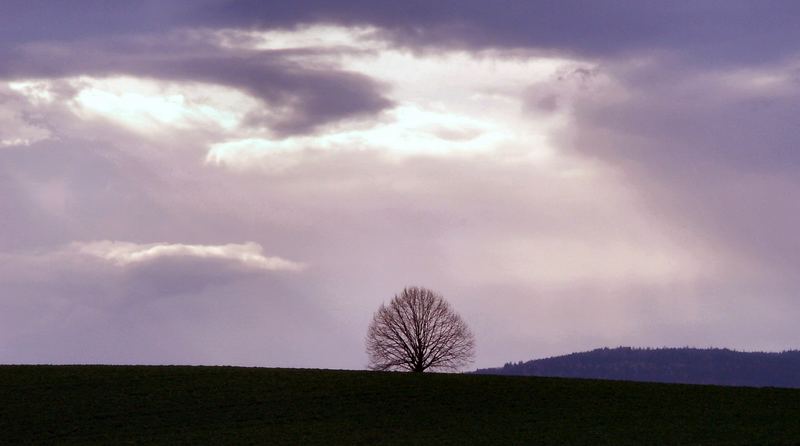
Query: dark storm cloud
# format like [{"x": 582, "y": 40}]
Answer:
[
  {"x": 45, "y": 20},
  {"x": 742, "y": 117},
  {"x": 97, "y": 37},
  {"x": 315, "y": 97},
  {"x": 308, "y": 96},
  {"x": 716, "y": 31},
  {"x": 712, "y": 31}
]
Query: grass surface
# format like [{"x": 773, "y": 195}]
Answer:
[{"x": 229, "y": 405}]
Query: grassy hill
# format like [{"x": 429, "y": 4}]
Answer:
[{"x": 228, "y": 405}]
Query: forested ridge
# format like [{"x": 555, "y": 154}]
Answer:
[{"x": 671, "y": 365}]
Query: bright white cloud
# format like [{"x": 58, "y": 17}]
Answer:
[
  {"x": 38, "y": 91},
  {"x": 407, "y": 130},
  {"x": 125, "y": 253},
  {"x": 449, "y": 103},
  {"x": 304, "y": 36},
  {"x": 147, "y": 105}
]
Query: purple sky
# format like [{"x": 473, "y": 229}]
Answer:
[{"x": 245, "y": 182}]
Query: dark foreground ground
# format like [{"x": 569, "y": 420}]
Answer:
[{"x": 227, "y": 405}]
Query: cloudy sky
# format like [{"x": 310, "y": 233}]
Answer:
[{"x": 245, "y": 182}]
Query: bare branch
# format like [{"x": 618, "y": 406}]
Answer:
[{"x": 418, "y": 331}]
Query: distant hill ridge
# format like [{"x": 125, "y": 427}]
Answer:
[{"x": 669, "y": 365}]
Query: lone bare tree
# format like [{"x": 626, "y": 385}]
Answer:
[{"x": 418, "y": 331}]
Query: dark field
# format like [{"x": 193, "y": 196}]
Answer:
[{"x": 227, "y": 405}]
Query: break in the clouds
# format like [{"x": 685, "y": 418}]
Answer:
[{"x": 236, "y": 182}]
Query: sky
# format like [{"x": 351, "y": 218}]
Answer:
[{"x": 246, "y": 182}]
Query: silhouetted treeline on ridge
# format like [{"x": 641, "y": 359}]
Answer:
[{"x": 669, "y": 365}]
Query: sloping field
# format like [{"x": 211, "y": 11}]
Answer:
[{"x": 229, "y": 405}]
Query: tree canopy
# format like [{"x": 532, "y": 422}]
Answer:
[{"x": 418, "y": 331}]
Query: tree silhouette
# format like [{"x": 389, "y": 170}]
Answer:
[{"x": 417, "y": 331}]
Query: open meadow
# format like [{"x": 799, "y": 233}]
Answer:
[{"x": 232, "y": 405}]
